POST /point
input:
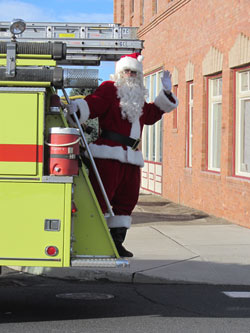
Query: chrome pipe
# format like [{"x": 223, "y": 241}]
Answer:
[{"x": 85, "y": 144}]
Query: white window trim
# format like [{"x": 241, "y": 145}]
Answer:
[
  {"x": 147, "y": 136},
  {"x": 212, "y": 100},
  {"x": 239, "y": 97},
  {"x": 190, "y": 124}
]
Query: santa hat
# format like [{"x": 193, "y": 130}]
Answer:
[{"x": 130, "y": 61}]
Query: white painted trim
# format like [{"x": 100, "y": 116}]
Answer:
[
  {"x": 119, "y": 221},
  {"x": 237, "y": 294}
]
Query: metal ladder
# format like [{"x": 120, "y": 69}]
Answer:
[{"x": 87, "y": 43}]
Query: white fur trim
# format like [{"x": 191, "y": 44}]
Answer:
[
  {"x": 119, "y": 221},
  {"x": 135, "y": 132},
  {"x": 117, "y": 153},
  {"x": 140, "y": 58},
  {"x": 83, "y": 108},
  {"x": 135, "y": 157},
  {"x": 163, "y": 102},
  {"x": 70, "y": 120},
  {"x": 128, "y": 63}
]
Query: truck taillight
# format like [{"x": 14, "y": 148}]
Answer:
[
  {"x": 73, "y": 208},
  {"x": 51, "y": 251}
]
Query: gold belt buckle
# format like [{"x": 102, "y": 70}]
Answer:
[{"x": 136, "y": 144}]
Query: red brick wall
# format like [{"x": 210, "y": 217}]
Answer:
[{"x": 183, "y": 31}]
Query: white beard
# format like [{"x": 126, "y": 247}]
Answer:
[{"x": 132, "y": 94}]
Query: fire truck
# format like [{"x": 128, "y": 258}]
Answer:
[{"x": 49, "y": 214}]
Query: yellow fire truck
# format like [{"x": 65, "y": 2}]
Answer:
[{"x": 49, "y": 215}]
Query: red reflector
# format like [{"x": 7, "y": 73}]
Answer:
[
  {"x": 51, "y": 251},
  {"x": 73, "y": 208}
]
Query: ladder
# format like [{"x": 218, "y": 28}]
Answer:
[{"x": 87, "y": 43}]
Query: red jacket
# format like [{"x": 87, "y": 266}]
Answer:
[{"x": 104, "y": 104}]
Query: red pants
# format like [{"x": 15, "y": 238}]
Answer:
[{"x": 121, "y": 182}]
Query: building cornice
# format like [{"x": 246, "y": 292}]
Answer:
[{"x": 172, "y": 8}]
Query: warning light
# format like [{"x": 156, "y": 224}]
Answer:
[
  {"x": 73, "y": 208},
  {"x": 51, "y": 251}
]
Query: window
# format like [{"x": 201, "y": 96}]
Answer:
[
  {"x": 175, "y": 90},
  {"x": 160, "y": 123},
  {"x": 122, "y": 11},
  {"x": 142, "y": 12},
  {"x": 160, "y": 139},
  {"x": 153, "y": 95},
  {"x": 242, "y": 123},
  {"x": 146, "y": 128},
  {"x": 155, "y": 7},
  {"x": 190, "y": 125},
  {"x": 152, "y": 135},
  {"x": 214, "y": 123},
  {"x": 132, "y": 6}
]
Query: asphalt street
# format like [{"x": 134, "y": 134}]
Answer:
[{"x": 36, "y": 304}]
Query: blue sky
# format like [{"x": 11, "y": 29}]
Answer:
[{"x": 84, "y": 11}]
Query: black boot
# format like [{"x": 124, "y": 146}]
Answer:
[{"x": 118, "y": 235}]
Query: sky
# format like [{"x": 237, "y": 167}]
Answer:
[{"x": 78, "y": 11}]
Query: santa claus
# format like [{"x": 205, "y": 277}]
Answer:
[{"x": 122, "y": 111}]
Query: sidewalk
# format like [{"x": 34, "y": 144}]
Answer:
[{"x": 174, "y": 244}]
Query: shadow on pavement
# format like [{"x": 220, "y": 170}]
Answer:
[
  {"x": 152, "y": 208},
  {"x": 152, "y": 217}
]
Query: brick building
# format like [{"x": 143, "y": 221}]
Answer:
[{"x": 199, "y": 155}]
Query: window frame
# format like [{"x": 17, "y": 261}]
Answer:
[
  {"x": 189, "y": 142},
  {"x": 153, "y": 134},
  {"x": 239, "y": 96},
  {"x": 122, "y": 11},
  {"x": 132, "y": 7},
  {"x": 175, "y": 111},
  {"x": 211, "y": 102},
  {"x": 155, "y": 6},
  {"x": 142, "y": 16}
]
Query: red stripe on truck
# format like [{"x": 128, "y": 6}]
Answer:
[{"x": 21, "y": 153}]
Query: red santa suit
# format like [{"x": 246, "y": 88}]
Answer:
[{"x": 118, "y": 164}]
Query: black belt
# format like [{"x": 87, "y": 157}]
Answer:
[{"x": 123, "y": 139}]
